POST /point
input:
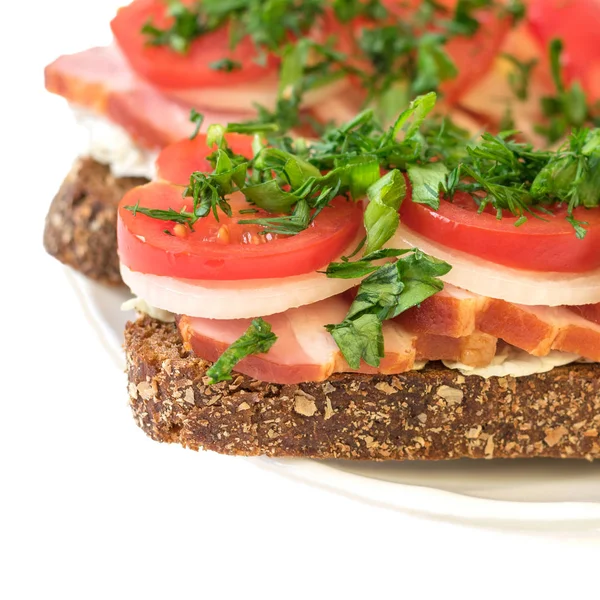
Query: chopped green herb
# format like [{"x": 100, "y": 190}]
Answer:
[
  {"x": 426, "y": 181},
  {"x": 186, "y": 27},
  {"x": 417, "y": 47},
  {"x": 381, "y": 215},
  {"x": 513, "y": 176},
  {"x": 257, "y": 339},
  {"x": 225, "y": 64},
  {"x": 267, "y": 22},
  {"x": 520, "y": 76},
  {"x": 388, "y": 291},
  {"x": 362, "y": 267},
  {"x": 198, "y": 119},
  {"x": 568, "y": 108}
]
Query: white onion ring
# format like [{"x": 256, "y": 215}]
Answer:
[
  {"x": 242, "y": 299},
  {"x": 241, "y": 98},
  {"x": 496, "y": 281}
]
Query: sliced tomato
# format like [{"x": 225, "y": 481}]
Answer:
[
  {"x": 179, "y": 160},
  {"x": 165, "y": 67},
  {"x": 472, "y": 55},
  {"x": 545, "y": 244},
  {"x": 226, "y": 249},
  {"x": 576, "y": 23}
]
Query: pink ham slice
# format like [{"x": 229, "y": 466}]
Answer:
[
  {"x": 100, "y": 80},
  {"x": 451, "y": 312},
  {"x": 535, "y": 329},
  {"x": 305, "y": 351},
  {"x": 539, "y": 329},
  {"x": 476, "y": 350},
  {"x": 591, "y": 312}
]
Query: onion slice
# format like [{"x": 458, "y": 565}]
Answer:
[
  {"x": 233, "y": 299},
  {"x": 495, "y": 281}
]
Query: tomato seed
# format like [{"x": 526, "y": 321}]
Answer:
[
  {"x": 223, "y": 235},
  {"x": 180, "y": 230}
]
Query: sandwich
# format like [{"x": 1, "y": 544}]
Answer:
[
  {"x": 291, "y": 65},
  {"x": 380, "y": 293},
  {"x": 170, "y": 60}
]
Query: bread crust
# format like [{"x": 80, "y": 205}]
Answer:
[
  {"x": 431, "y": 414},
  {"x": 81, "y": 224}
]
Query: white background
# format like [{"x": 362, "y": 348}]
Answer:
[{"x": 91, "y": 508}]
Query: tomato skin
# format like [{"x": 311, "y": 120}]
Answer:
[
  {"x": 576, "y": 23},
  {"x": 548, "y": 245},
  {"x": 473, "y": 56},
  {"x": 203, "y": 255},
  {"x": 164, "y": 67},
  {"x": 178, "y": 161}
]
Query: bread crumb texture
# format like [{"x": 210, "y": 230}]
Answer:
[
  {"x": 431, "y": 414},
  {"x": 81, "y": 226}
]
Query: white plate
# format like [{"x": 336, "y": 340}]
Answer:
[{"x": 519, "y": 493}]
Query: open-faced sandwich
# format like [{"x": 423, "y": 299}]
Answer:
[
  {"x": 374, "y": 293},
  {"x": 294, "y": 65}
]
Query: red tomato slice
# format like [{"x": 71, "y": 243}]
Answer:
[
  {"x": 473, "y": 56},
  {"x": 164, "y": 67},
  {"x": 225, "y": 249},
  {"x": 577, "y": 23},
  {"x": 548, "y": 245},
  {"x": 179, "y": 160}
]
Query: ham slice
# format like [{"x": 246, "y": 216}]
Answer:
[
  {"x": 456, "y": 313},
  {"x": 453, "y": 326},
  {"x": 539, "y": 329},
  {"x": 305, "y": 351},
  {"x": 591, "y": 312},
  {"x": 100, "y": 80},
  {"x": 451, "y": 312},
  {"x": 475, "y": 350}
]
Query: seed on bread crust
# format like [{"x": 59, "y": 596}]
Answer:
[
  {"x": 81, "y": 226},
  {"x": 431, "y": 414}
]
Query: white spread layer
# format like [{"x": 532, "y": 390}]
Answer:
[
  {"x": 111, "y": 145},
  {"x": 512, "y": 362},
  {"x": 509, "y": 362},
  {"x": 142, "y": 307}
]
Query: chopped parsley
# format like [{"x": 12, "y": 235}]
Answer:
[
  {"x": 401, "y": 57},
  {"x": 226, "y": 65},
  {"x": 513, "y": 176},
  {"x": 196, "y": 118},
  {"x": 519, "y": 77},
  {"x": 187, "y": 25},
  {"x": 408, "y": 56},
  {"x": 257, "y": 339},
  {"x": 568, "y": 108},
  {"x": 386, "y": 292},
  {"x": 267, "y": 22}
]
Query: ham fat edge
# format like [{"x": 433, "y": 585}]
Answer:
[{"x": 100, "y": 80}]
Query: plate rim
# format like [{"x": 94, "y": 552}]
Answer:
[{"x": 404, "y": 497}]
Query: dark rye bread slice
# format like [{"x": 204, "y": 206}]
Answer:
[
  {"x": 431, "y": 414},
  {"x": 81, "y": 224}
]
